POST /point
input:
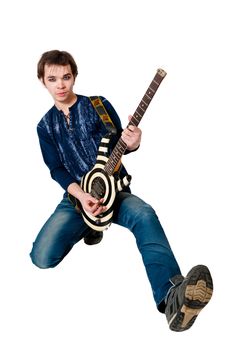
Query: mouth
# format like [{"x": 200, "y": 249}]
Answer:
[{"x": 61, "y": 94}]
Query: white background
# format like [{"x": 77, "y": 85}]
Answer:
[{"x": 99, "y": 297}]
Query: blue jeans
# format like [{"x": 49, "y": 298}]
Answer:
[{"x": 66, "y": 227}]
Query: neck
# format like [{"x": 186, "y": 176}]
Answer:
[{"x": 64, "y": 106}]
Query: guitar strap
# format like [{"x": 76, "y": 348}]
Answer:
[{"x": 103, "y": 114}]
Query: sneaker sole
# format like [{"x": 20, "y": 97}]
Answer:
[{"x": 198, "y": 292}]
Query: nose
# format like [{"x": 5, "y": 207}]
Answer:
[{"x": 60, "y": 84}]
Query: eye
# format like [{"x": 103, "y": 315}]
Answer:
[{"x": 51, "y": 79}]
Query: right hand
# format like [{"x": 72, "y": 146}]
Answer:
[{"x": 92, "y": 205}]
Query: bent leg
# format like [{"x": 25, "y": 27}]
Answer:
[
  {"x": 63, "y": 229},
  {"x": 158, "y": 258}
]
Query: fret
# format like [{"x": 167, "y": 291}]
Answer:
[
  {"x": 137, "y": 116},
  {"x": 122, "y": 143},
  {"x": 143, "y": 106},
  {"x": 146, "y": 102},
  {"x": 155, "y": 82},
  {"x": 115, "y": 157},
  {"x": 153, "y": 91},
  {"x": 154, "y": 85},
  {"x": 148, "y": 95},
  {"x": 109, "y": 168},
  {"x": 143, "y": 111},
  {"x": 121, "y": 149},
  {"x": 111, "y": 163},
  {"x": 134, "y": 121}
]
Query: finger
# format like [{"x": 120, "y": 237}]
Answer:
[
  {"x": 99, "y": 210},
  {"x": 131, "y": 128},
  {"x": 127, "y": 133},
  {"x": 134, "y": 129},
  {"x": 95, "y": 205}
]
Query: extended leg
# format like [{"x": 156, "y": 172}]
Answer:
[{"x": 160, "y": 263}]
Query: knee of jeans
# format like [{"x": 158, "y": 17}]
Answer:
[
  {"x": 146, "y": 214},
  {"x": 40, "y": 262}
]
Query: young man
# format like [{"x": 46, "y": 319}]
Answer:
[{"x": 69, "y": 135}]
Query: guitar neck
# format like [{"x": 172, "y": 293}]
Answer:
[{"x": 121, "y": 146}]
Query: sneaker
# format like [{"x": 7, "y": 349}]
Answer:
[
  {"x": 187, "y": 297},
  {"x": 93, "y": 237}
]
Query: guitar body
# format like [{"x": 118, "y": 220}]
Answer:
[{"x": 100, "y": 184}]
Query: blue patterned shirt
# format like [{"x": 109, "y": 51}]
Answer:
[{"x": 70, "y": 151}]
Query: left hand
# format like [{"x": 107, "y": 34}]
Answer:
[{"x": 131, "y": 136}]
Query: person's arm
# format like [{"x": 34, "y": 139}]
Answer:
[
  {"x": 62, "y": 176},
  {"x": 52, "y": 159}
]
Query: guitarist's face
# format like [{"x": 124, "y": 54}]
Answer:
[{"x": 59, "y": 81}]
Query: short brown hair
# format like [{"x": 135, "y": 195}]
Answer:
[{"x": 61, "y": 58}]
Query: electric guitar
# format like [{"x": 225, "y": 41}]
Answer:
[{"x": 100, "y": 182}]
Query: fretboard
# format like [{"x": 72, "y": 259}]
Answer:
[{"x": 121, "y": 146}]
